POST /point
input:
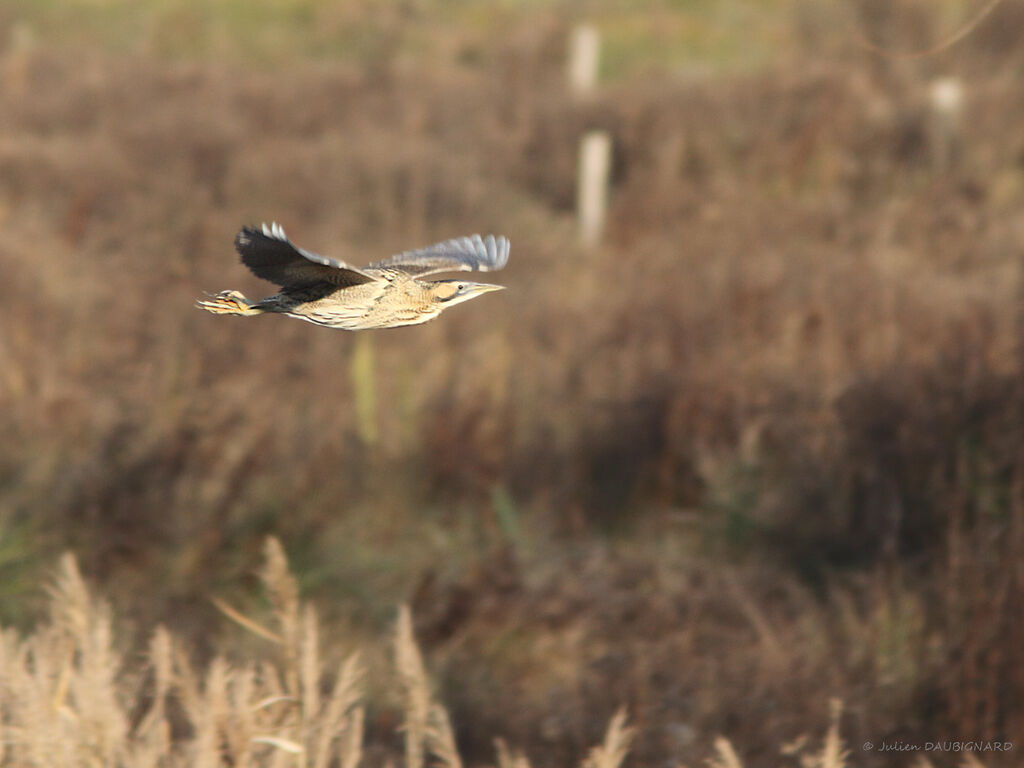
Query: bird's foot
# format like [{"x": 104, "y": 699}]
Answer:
[{"x": 227, "y": 303}]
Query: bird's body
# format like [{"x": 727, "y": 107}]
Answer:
[
  {"x": 394, "y": 300},
  {"x": 385, "y": 294}
]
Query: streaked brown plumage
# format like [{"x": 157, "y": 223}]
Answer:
[{"x": 385, "y": 294}]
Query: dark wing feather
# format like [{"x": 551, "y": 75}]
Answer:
[
  {"x": 271, "y": 255},
  {"x": 463, "y": 254}
]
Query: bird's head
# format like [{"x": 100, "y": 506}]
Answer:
[{"x": 447, "y": 293}]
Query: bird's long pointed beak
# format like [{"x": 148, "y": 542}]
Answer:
[{"x": 471, "y": 291}]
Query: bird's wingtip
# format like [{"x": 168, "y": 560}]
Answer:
[
  {"x": 495, "y": 248},
  {"x": 275, "y": 231}
]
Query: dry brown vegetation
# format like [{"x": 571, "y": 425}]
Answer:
[
  {"x": 71, "y": 699},
  {"x": 760, "y": 450}
]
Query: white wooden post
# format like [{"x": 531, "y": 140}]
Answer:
[
  {"x": 946, "y": 96},
  {"x": 592, "y": 185},
  {"x": 594, "y": 160},
  {"x": 584, "y": 53}
]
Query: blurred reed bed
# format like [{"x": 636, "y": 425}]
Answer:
[{"x": 72, "y": 697}]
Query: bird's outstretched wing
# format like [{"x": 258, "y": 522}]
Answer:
[
  {"x": 271, "y": 255},
  {"x": 463, "y": 254}
]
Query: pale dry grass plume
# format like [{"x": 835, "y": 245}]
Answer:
[
  {"x": 60, "y": 704},
  {"x": 612, "y": 751},
  {"x": 725, "y": 755},
  {"x": 509, "y": 758},
  {"x": 427, "y": 727}
]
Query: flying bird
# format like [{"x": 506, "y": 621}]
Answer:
[{"x": 386, "y": 294}]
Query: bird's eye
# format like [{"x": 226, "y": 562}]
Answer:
[{"x": 462, "y": 286}]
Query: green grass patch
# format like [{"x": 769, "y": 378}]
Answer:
[{"x": 637, "y": 36}]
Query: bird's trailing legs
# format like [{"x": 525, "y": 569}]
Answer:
[{"x": 230, "y": 303}]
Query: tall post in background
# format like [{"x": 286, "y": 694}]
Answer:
[
  {"x": 592, "y": 185},
  {"x": 584, "y": 54},
  {"x": 946, "y": 99},
  {"x": 594, "y": 159}
]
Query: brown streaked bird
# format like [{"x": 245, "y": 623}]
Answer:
[{"x": 385, "y": 294}]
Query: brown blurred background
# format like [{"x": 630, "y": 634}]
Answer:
[{"x": 760, "y": 447}]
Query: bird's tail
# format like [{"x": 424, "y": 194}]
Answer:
[{"x": 229, "y": 303}]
